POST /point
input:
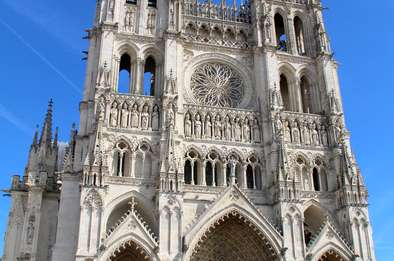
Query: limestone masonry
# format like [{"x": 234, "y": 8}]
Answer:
[{"x": 209, "y": 131}]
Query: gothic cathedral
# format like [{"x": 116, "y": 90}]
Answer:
[{"x": 209, "y": 131}]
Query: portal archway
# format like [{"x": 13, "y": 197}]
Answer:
[
  {"x": 331, "y": 255},
  {"x": 233, "y": 237},
  {"x": 130, "y": 251}
]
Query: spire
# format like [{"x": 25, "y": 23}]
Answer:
[
  {"x": 35, "y": 138},
  {"x": 55, "y": 141},
  {"x": 46, "y": 135}
]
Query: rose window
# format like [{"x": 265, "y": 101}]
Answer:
[{"x": 216, "y": 84}]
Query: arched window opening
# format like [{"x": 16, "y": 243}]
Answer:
[
  {"x": 284, "y": 91},
  {"x": 299, "y": 33},
  {"x": 228, "y": 174},
  {"x": 281, "y": 37},
  {"x": 126, "y": 164},
  {"x": 152, "y": 3},
  {"x": 149, "y": 77},
  {"x": 259, "y": 178},
  {"x": 191, "y": 168},
  {"x": 316, "y": 179},
  {"x": 188, "y": 172},
  {"x": 125, "y": 75},
  {"x": 131, "y": 2},
  {"x": 209, "y": 173},
  {"x": 139, "y": 164},
  {"x": 250, "y": 178},
  {"x": 313, "y": 219},
  {"x": 306, "y": 96}
]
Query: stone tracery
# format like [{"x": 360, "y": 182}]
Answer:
[{"x": 216, "y": 84}]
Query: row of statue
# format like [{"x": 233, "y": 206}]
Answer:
[
  {"x": 133, "y": 116},
  {"x": 227, "y": 128},
  {"x": 303, "y": 132},
  {"x": 206, "y": 9}
]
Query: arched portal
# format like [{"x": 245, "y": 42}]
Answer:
[
  {"x": 130, "y": 251},
  {"x": 233, "y": 238},
  {"x": 331, "y": 255}
]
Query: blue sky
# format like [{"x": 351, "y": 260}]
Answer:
[{"x": 40, "y": 58}]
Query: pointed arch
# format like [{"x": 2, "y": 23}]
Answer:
[
  {"x": 259, "y": 227},
  {"x": 231, "y": 202},
  {"x": 121, "y": 202},
  {"x": 138, "y": 247},
  {"x": 332, "y": 252}
]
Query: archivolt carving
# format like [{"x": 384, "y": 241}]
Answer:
[{"x": 217, "y": 84}]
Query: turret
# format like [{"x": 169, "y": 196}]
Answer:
[{"x": 42, "y": 160}]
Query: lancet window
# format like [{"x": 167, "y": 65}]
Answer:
[
  {"x": 280, "y": 31},
  {"x": 192, "y": 167},
  {"x": 122, "y": 160},
  {"x": 299, "y": 36},
  {"x": 284, "y": 91},
  {"x": 125, "y": 79},
  {"x": 138, "y": 76},
  {"x": 149, "y": 77}
]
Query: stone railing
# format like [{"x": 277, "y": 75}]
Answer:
[
  {"x": 222, "y": 124},
  {"x": 305, "y": 129},
  {"x": 134, "y": 112},
  {"x": 129, "y": 181},
  {"x": 209, "y": 10}
]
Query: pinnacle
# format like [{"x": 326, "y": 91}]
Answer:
[{"x": 46, "y": 135}]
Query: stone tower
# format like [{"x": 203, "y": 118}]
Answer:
[{"x": 209, "y": 130}]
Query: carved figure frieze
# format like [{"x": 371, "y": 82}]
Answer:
[
  {"x": 224, "y": 124},
  {"x": 141, "y": 113},
  {"x": 303, "y": 129}
]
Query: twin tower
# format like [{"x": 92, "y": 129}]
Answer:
[{"x": 209, "y": 131}]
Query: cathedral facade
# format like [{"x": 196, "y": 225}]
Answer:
[{"x": 209, "y": 131}]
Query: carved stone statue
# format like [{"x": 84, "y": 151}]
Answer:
[
  {"x": 188, "y": 126},
  {"x": 114, "y": 115},
  {"x": 145, "y": 118},
  {"x": 227, "y": 129},
  {"x": 125, "y": 116},
  {"x": 276, "y": 99},
  {"x": 218, "y": 127},
  {"x": 237, "y": 130},
  {"x": 155, "y": 118},
  {"x": 134, "y": 117},
  {"x": 104, "y": 77},
  {"x": 208, "y": 127},
  {"x": 324, "y": 135},
  {"x": 334, "y": 108},
  {"x": 314, "y": 134},
  {"x": 246, "y": 130},
  {"x": 286, "y": 131},
  {"x": 197, "y": 126},
  {"x": 306, "y": 137},
  {"x": 295, "y": 132},
  {"x": 256, "y": 131},
  {"x": 129, "y": 21},
  {"x": 111, "y": 8},
  {"x": 30, "y": 230}
]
